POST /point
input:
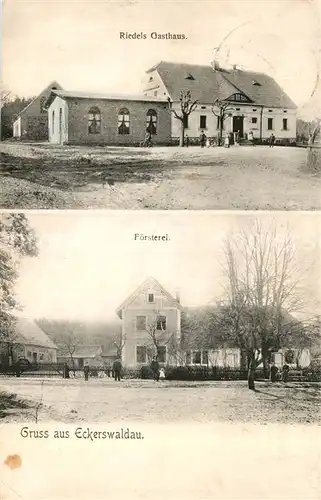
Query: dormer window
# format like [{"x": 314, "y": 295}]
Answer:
[
  {"x": 189, "y": 77},
  {"x": 256, "y": 83},
  {"x": 151, "y": 79},
  {"x": 238, "y": 98},
  {"x": 150, "y": 298}
]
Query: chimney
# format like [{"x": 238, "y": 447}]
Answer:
[
  {"x": 234, "y": 67},
  {"x": 178, "y": 296},
  {"x": 215, "y": 65}
]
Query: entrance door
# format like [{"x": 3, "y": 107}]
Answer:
[{"x": 238, "y": 125}]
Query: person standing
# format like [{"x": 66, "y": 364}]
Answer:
[
  {"x": 274, "y": 372},
  {"x": 202, "y": 139},
  {"x": 251, "y": 137},
  {"x": 117, "y": 366},
  {"x": 227, "y": 141},
  {"x": 86, "y": 372},
  {"x": 285, "y": 372},
  {"x": 148, "y": 138},
  {"x": 272, "y": 140},
  {"x": 162, "y": 374},
  {"x": 155, "y": 369},
  {"x": 186, "y": 141}
]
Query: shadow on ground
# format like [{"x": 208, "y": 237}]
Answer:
[{"x": 10, "y": 404}]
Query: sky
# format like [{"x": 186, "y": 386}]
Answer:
[
  {"x": 77, "y": 43},
  {"x": 89, "y": 262}
]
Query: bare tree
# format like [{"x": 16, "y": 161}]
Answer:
[
  {"x": 262, "y": 275},
  {"x": 221, "y": 109},
  {"x": 313, "y": 156},
  {"x": 119, "y": 342},
  {"x": 187, "y": 106},
  {"x": 159, "y": 336},
  {"x": 69, "y": 341}
]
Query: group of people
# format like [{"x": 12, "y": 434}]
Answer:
[
  {"x": 274, "y": 373},
  {"x": 158, "y": 373},
  {"x": 205, "y": 141}
]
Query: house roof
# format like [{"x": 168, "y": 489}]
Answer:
[
  {"x": 149, "y": 282},
  {"x": 208, "y": 84},
  {"x": 64, "y": 94},
  {"x": 83, "y": 351},
  {"x": 50, "y": 86},
  {"x": 29, "y": 333}
]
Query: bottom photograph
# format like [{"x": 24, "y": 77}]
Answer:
[{"x": 162, "y": 317}]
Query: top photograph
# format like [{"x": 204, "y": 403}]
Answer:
[{"x": 159, "y": 105}]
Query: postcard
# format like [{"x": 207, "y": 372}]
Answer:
[
  {"x": 161, "y": 105},
  {"x": 159, "y": 354}
]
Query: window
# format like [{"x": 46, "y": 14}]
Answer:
[
  {"x": 151, "y": 298},
  {"x": 285, "y": 111},
  {"x": 141, "y": 354},
  {"x": 205, "y": 357},
  {"x": 289, "y": 356},
  {"x": 270, "y": 123},
  {"x": 123, "y": 121},
  {"x": 161, "y": 353},
  {"x": 188, "y": 357},
  {"x": 151, "y": 121},
  {"x": 53, "y": 121},
  {"x": 34, "y": 357},
  {"x": 196, "y": 358},
  {"x": 253, "y": 109},
  {"x": 140, "y": 323},
  {"x": 155, "y": 93},
  {"x": 238, "y": 98},
  {"x": 285, "y": 124},
  {"x": 238, "y": 109},
  {"x": 270, "y": 110},
  {"x": 151, "y": 79},
  {"x": 203, "y": 107},
  {"x": 41, "y": 357},
  {"x": 161, "y": 323},
  {"x": 185, "y": 121},
  {"x": 28, "y": 354},
  {"x": 254, "y": 120},
  {"x": 94, "y": 121},
  {"x": 256, "y": 83},
  {"x": 202, "y": 121}
]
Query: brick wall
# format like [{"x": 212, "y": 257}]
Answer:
[{"x": 78, "y": 110}]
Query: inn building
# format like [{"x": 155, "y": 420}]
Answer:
[{"x": 257, "y": 103}]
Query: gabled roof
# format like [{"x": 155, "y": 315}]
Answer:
[
  {"x": 205, "y": 86},
  {"x": 64, "y": 94},
  {"x": 46, "y": 90},
  {"x": 29, "y": 333},
  {"x": 152, "y": 283},
  {"x": 209, "y": 84}
]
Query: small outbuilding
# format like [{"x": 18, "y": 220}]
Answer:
[
  {"x": 96, "y": 119},
  {"x": 32, "y": 122}
]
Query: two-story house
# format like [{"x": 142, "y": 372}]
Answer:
[
  {"x": 256, "y": 103},
  {"x": 151, "y": 323}
]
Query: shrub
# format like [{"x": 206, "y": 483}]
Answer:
[{"x": 202, "y": 373}]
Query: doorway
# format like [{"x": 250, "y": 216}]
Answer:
[{"x": 238, "y": 125}]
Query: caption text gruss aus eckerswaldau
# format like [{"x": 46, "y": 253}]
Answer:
[{"x": 81, "y": 433}]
